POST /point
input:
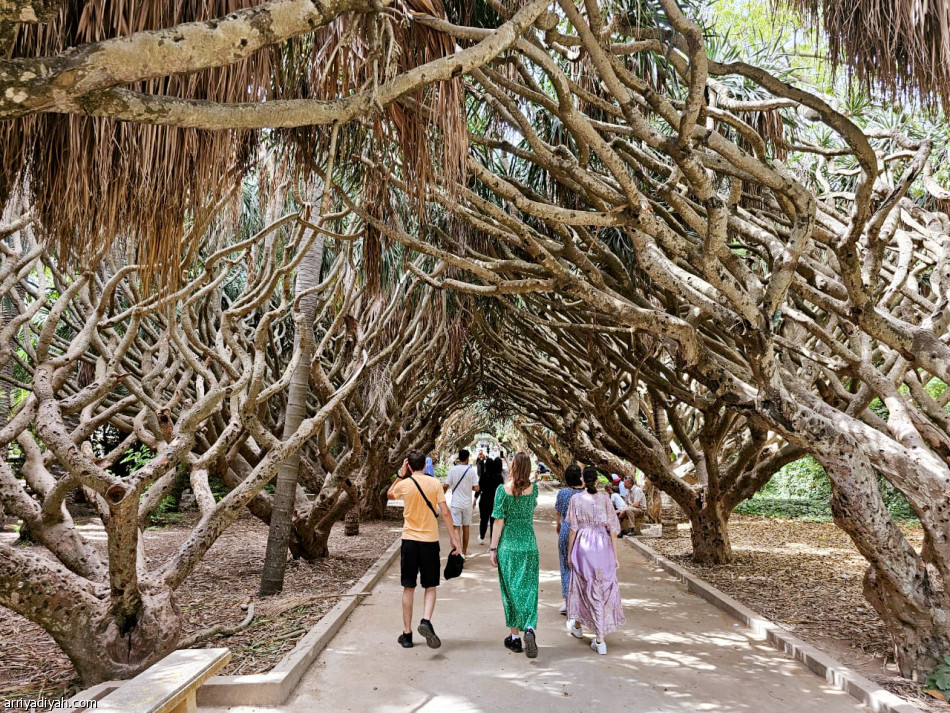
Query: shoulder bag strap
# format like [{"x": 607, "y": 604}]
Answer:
[
  {"x": 456, "y": 484},
  {"x": 422, "y": 493}
]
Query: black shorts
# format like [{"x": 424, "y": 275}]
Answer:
[{"x": 420, "y": 558}]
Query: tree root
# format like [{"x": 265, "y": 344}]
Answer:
[{"x": 199, "y": 636}]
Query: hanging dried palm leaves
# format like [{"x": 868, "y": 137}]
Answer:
[
  {"x": 901, "y": 45},
  {"x": 99, "y": 184}
]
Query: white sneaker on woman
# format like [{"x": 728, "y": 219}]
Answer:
[
  {"x": 563, "y": 609},
  {"x": 599, "y": 646},
  {"x": 575, "y": 629}
]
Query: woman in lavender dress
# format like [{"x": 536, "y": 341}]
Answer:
[
  {"x": 572, "y": 476},
  {"x": 593, "y": 596}
]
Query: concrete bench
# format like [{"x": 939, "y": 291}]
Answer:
[{"x": 169, "y": 686}]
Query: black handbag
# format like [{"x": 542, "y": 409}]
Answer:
[{"x": 453, "y": 565}]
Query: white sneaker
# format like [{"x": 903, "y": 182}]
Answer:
[
  {"x": 576, "y": 631},
  {"x": 599, "y": 646},
  {"x": 481, "y": 540},
  {"x": 563, "y": 609}
]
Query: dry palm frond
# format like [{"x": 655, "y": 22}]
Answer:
[
  {"x": 98, "y": 184},
  {"x": 365, "y": 52},
  {"x": 901, "y": 45}
]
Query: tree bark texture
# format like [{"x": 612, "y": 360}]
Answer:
[{"x": 285, "y": 493}]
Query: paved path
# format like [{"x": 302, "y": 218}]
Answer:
[{"x": 676, "y": 654}]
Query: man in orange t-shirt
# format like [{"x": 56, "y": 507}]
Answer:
[{"x": 421, "y": 494}]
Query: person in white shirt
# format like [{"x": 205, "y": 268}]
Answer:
[
  {"x": 462, "y": 480},
  {"x": 636, "y": 506},
  {"x": 618, "y": 502},
  {"x": 621, "y": 485}
]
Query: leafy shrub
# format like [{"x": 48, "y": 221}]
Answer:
[
  {"x": 792, "y": 508},
  {"x": 940, "y": 678},
  {"x": 802, "y": 490},
  {"x": 166, "y": 513},
  {"x": 803, "y": 478},
  {"x": 137, "y": 458}
]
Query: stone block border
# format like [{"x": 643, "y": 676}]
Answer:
[
  {"x": 275, "y": 686},
  {"x": 821, "y": 664}
]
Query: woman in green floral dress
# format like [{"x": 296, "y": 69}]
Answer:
[{"x": 514, "y": 551}]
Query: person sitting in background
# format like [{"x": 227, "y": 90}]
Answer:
[
  {"x": 636, "y": 507},
  {"x": 620, "y": 507},
  {"x": 618, "y": 502},
  {"x": 621, "y": 486}
]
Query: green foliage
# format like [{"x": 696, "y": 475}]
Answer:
[
  {"x": 218, "y": 489},
  {"x": 802, "y": 491},
  {"x": 137, "y": 458},
  {"x": 441, "y": 471},
  {"x": 897, "y": 505},
  {"x": 801, "y": 479},
  {"x": 166, "y": 513},
  {"x": 935, "y": 387},
  {"x": 940, "y": 678},
  {"x": 879, "y": 409}
]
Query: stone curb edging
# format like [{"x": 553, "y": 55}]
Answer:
[
  {"x": 275, "y": 686},
  {"x": 818, "y": 662}
]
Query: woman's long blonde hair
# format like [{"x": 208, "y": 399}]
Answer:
[{"x": 520, "y": 474}]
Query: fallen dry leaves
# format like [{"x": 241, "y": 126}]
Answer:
[
  {"x": 32, "y": 665},
  {"x": 807, "y": 577}
]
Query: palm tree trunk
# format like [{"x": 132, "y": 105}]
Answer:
[{"x": 281, "y": 520}]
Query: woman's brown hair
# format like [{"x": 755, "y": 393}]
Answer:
[
  {"x": 521, "y": 474},
  {"x": 591, "y": 475}
]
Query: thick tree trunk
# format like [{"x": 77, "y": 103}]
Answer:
[
  {"x": 710, "y": 535},
  {"x": 897, "y": 583},
  {"x": 374, "y": 502},
  {"x": 919, "y": 625},
  {"x": 351, "y": 523},
  {"x": 313, "y": 536},
  {"x": 654, "y": 501},
  {"x": 6, "y": 396},
  {"x": 102, "y": 637},
  {"x": 285, "y": 494},
  {"x": 106, "y": 645}
]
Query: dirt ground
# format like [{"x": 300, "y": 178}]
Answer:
[
  {"x": 32, "y": 665},
  {"x": 807, "y": 577}
]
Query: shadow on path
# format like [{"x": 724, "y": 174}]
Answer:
[{"x": 676, "y": 653}]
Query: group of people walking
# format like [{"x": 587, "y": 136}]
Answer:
[{"x": 587, "y": 526}]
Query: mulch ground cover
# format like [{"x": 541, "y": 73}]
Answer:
[
  {"x": 32, "y": 665},
  {"x": 807, "y": 577}
]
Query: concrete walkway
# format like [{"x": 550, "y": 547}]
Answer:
[{"x": 676, "y": 653}]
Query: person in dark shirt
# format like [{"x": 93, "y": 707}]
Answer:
[
  {"x": 480, "y": 461},
  {"x": 489, "y": 479}
]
